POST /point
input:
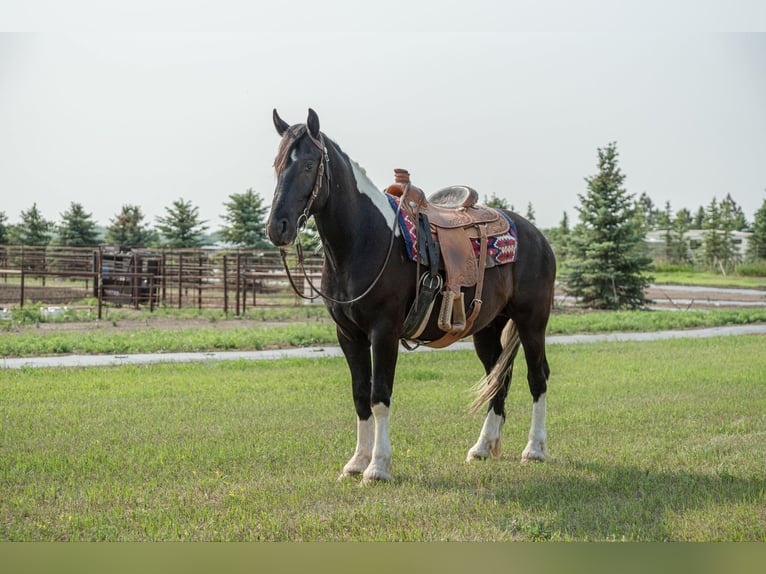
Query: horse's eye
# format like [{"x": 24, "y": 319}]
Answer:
[{"x": 309, "y": 166}]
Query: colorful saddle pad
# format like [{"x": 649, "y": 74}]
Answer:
[{"x": 501, "y": 249}]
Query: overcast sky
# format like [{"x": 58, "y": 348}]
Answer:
[{"x": 143, "y": 104}]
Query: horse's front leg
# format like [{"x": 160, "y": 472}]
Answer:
[
  {"x": 357, "y": 353},
  {"x": 385, "y": 352}
]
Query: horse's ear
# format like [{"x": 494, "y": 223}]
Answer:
[
  {"x": 313, "y": 124},
  {"x": 279, "y": 123}
]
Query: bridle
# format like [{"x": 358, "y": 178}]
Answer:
[{"x": 324, "y": 168}]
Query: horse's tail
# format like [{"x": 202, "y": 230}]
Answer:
[{"x": 492, "y": 383}]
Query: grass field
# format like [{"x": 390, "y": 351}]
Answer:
[
  {"x": 148, "y": 338},
  {"x": 649, "y": 441},
  {"x": 693, "y": 277}
]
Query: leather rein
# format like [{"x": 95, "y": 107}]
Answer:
[{"x": 303, "y": 218}]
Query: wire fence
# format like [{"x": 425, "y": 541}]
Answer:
[{"x": 227, "y": 279}]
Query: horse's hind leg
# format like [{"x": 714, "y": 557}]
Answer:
[
  {"x": 492, "y": 351},
  {"x": 533, "y": 340}
]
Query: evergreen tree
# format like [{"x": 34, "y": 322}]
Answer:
[
  {"x": 646, "y": 211},
  {"x": 719, "y": 252},
  {"x": 182, "y": 226},
  {"x": 245, "y": 220},
  {"x": 606, "y": 267},
  {"x": 128, "y": 229},
  {"x": 737, "y": 217},
  {"x": 560, "y": 238},
  {"x": 679, "y": 250},
  {"x": 33, "y": 229},
  {"x": 497, "y": 202},
  {"x": 665, "y": 223},
  {"x": 756, "y": 249},
  {"x": 77, "y": 227},
  {"x": 530, "y": 215},
  {"x": 3, "y": 228},
  {"x": 699, "y": 218}
]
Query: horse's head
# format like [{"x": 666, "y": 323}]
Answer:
[{"x": 301, "y": 165}]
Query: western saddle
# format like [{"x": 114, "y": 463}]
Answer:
[{"x": 446, "y": 222}]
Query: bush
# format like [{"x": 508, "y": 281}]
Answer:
[
  {"x": 674, "y": 268},
  {"x": 752, "y": 270}
]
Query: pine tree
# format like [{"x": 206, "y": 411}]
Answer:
[
  {"x": 245, "y": 218},
  {"x": 3, "y": 228},
  {"x": 719, "y": 253},
  {"x": 699, "y": 218},
  {"x": 182, "y": 226},
  {"x": 128, "y": 228},
  {"x": 497, "y": 202},
  {"x": 607, "y": 266},
  {"x": 33, "y": 228},
  {"x": 77, "y": 227},
  {"x": 737, "y": 217},
  {"x": 679, "y": 251},
  {"x": 756, "y": 249},
  {"x": 559, "y": 238},
  {"x": 530, "y": 215}
]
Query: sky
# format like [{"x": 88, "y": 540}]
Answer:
[{"x": 149, "y": 102}]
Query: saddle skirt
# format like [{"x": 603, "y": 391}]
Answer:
[
  {"x": 463, "y": 238},
  {"x": 502, "y": 246}
]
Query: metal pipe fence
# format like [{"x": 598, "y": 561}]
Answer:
[{"x": 231, "y": 280}]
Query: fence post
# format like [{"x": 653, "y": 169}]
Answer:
[
  {"x": 180, "y": 278},
  {"x": 151, "y": 293},
  {"x": 239, "y": 278},
  {"x": 21, "y": 304},
  {"x": 225, "y": 286},
  {"x": 199, "y": 283},
  {"x": 100, "y": 280}
]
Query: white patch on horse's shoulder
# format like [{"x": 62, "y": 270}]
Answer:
[{"x": 366, "y": 187}]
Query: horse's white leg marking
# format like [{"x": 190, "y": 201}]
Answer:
[
  {"x": 380, "y": 466},
  {"x": 365, "y": 440},
  {"x": 536, "y": 449},
  {"x": 490, "y": 439}
]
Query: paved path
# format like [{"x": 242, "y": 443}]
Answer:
[{"x": 313, "y": 352}]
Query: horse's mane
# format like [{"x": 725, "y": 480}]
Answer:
[
  {"x": 294, "y": 133},
  {"x": 363, "y": 181}
]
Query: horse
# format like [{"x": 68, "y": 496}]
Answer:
[{"x": 368, "y": 284}]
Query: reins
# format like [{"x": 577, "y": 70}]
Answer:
[{"x": 303, "y": 219}]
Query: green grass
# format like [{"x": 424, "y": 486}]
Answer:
[
  {"x": 708, "y": 279},
  {"x": 149, "y": 339},
  {"x": 649, "y": 441}
]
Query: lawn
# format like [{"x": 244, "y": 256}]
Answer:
[
  {"x": 147, "y": 337},
  {"x": 649, "y": 441}
]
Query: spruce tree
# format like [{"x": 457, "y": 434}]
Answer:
[
  {"x": 77, "y": 227},
  {"x": 607, "y": 265},
  {"x": 3, "y": 228},
  {"x": 182, "y": 226},
  {"x": 33, "y": 229},
  {"x": 756, "y": 249},
  {"x": 128, "y": 228},
  {"x": 245, "y": 220}
]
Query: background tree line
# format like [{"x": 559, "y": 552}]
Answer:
[
  {"x": 603, "y": 258},
  {"x": 180, "y": 226}
]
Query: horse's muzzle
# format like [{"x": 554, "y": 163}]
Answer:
[{"x": 280, "y": 232}]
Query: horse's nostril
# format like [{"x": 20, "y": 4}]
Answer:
[{"x": 284, "y": 226}]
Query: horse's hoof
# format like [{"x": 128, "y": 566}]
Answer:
[
  {"x": 348, "y": 475},
  {"x": 376, "y": 474},
  {"x": 476, "y": 455},
  {"x": 534, "y": 453}
]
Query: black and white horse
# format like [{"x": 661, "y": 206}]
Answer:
[{"x": 369, "y": 285}]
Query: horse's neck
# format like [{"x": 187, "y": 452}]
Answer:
[{"x": 356, "y": 221}]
